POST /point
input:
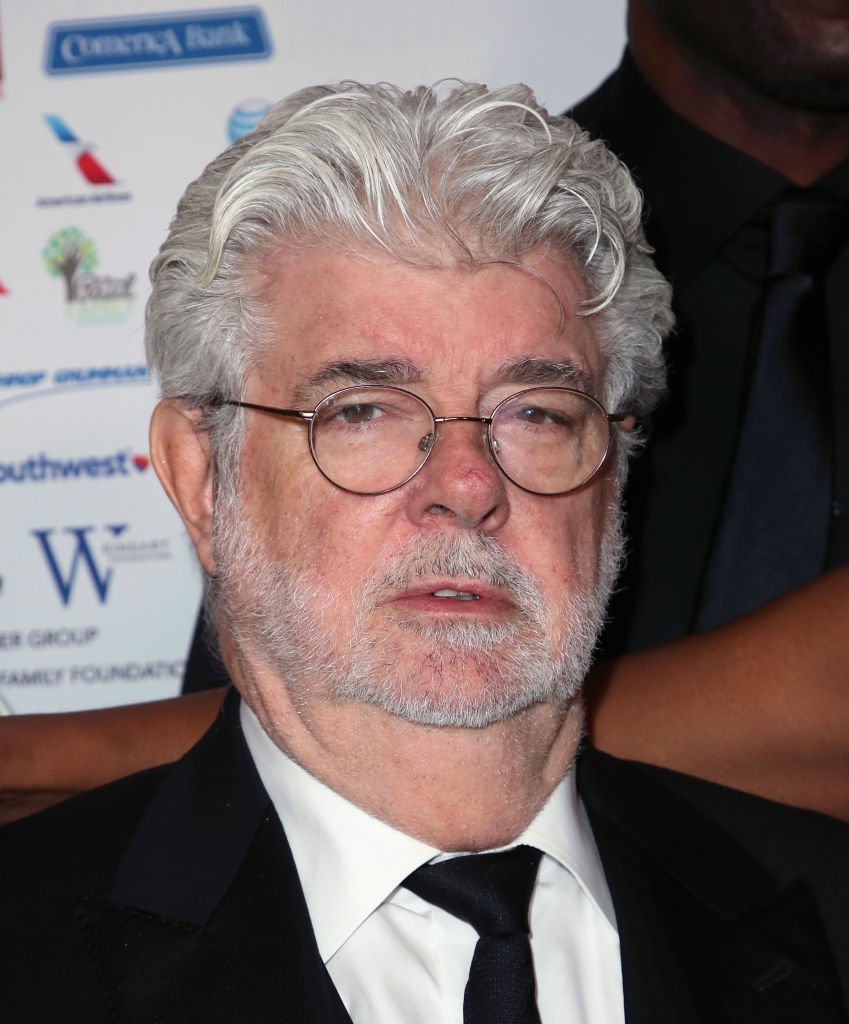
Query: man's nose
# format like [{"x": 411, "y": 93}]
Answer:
[{"x": 460, "y": 483}]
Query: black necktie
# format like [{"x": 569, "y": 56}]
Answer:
[
  {"x": 490, "y": 891},
  {"x": 773, "y": 533}
]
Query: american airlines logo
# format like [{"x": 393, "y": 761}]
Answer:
[
  {"x": 80, "y": 152},
  {"x": 41, "y": 468},
  {"x": 91, "y": 168}
]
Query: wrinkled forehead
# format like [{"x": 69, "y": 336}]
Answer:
[{"x": 331, "y": 310}]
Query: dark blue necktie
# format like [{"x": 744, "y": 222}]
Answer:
[
  {"x": 491, "y": 892},
  {"x": 773, "y": 534}
]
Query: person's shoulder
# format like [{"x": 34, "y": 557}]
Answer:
[
  {"x": 713, "y": 799},
  {"x": 76, "y": 841},
  {"x": 790, "y": 842},
  {"x": 590, "y": 112}
]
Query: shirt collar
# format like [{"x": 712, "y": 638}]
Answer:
[
  {"x": 702, "y": 190},
  {"x": 349, "y": 863}
]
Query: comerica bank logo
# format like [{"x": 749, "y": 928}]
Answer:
[
  {"x": 163, "y": 40},
  {"x": 41, "y": 468}
]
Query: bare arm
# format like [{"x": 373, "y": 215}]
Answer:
[
  {"x": 761, "y": 704},
  {"x": 46, "y": 758}
]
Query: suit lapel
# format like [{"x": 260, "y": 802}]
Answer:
[
  {"x": 707, "y": 934},
  {"x": 205, "y": 919}
]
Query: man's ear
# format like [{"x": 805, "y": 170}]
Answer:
[{"x": 180, "y": 453}]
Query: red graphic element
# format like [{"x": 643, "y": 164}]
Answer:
[
  {"x": 90, "y": 167},
  {"x": 93, "y": 170},
  {"x": 141, "y": 462},
  {"x": 3, "y": 289}
]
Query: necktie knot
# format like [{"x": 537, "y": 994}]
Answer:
[
  {"x": 490, "y": 891},
  {"x": 808, "y": 228}
]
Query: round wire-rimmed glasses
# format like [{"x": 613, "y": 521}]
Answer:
[{"x": 373, "y": 440}]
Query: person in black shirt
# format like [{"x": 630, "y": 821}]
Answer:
[{"x": 723, "y": 111}]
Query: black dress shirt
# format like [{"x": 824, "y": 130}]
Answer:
[{"x": 707, "y": 207}]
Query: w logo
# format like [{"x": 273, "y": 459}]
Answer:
[{"x": 81, "y": 554}]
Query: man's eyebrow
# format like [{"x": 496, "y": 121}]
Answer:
[
  {"x": 535, "y": 371},
  {"x": 343, "y": 373}
]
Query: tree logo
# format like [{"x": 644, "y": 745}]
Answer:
[
  {"x": 68, "y": 253},
  {"x": 94, "y": 298}
]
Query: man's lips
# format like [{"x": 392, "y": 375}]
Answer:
[{"x": 452, "y": 596}]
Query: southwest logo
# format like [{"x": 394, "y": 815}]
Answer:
[
  {"x": 81, "y": 152},
  {"x": 71, "y": 555},
  {"x": 163, "y": 40},
  {"x": 40, "y": 468}
]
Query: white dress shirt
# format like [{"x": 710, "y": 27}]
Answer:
[{"x": 394, "y": 957}]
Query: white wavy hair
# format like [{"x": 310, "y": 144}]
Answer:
[{"x": 451, "y": 174}]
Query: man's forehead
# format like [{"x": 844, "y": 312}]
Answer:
[{"x": 342, "y": 318}]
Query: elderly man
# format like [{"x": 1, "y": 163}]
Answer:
[{"x": 403, "y": 341}]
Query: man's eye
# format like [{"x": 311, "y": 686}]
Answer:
[
  {"x": 361, "y": 412},
  {"x": 539, "y": 416}
]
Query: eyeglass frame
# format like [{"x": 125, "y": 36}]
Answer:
[{"x": 308, "y": 418}]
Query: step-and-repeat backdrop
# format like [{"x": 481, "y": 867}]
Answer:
[{"x": 107, "y": 109}]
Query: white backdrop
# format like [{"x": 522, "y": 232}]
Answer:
[{"x": 107, "y": 110}]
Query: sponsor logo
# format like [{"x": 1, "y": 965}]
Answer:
[
  {"x": 92, "y": 674},
  {"x": 90, "y": 297},
  {"x": 90, "y": 167},
  {"x": 118, "y": 44},
  {"x": 22, "y": 378},
  {"x": 40, "y": 468},
  {"x": 65, "y": 575},
  {"x": 81, "y": 152},
  {"x": 25, "y": 384},
  {"x": 244, "y": 117},
  {"x": 100, "y": 374},
  {"x": 89, "y": 553},
  {"x": 40, "y": 638}
]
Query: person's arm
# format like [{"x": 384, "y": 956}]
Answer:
[
  {"x": 761, "y": 704},
  {"x": 47, "y": 758}
]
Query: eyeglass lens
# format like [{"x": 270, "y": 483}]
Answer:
[{"x": 370, "y": 440}]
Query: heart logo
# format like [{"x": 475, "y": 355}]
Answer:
[{"x": 141, "y": 462}]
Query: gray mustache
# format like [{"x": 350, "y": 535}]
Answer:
[{"x": 477, "y": 556}]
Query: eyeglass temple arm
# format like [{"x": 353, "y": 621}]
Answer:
[{"x": 291, "y": 413}]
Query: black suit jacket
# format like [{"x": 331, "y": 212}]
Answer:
[
  {"x": 172, "y": 897},
  {"x": 707, "y": 217}
]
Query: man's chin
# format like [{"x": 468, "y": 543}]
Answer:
[{"x": 468, "y": 690}]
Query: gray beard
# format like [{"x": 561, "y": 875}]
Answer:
[{"x": 285, "y": 618}]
